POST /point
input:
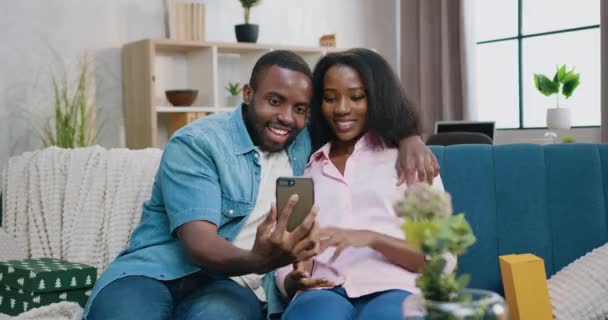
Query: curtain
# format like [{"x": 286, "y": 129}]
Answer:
[
  {"x": 604, "y": 77},
  {"x": 432, "y": 59}
]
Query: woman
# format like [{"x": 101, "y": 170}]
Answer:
[{"x": 358, "y": 113}]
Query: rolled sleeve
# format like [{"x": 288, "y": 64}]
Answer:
[
  {"x": 181, "y": 218},
  {"x": 190, "y": 182}
]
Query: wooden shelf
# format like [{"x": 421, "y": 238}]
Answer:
[
  {"x": 170, "y": 109},
  {"x": 170, "y": 45},
  {"x": 151, "y": 66}
]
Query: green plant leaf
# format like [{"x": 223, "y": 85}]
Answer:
[
  {"x": 72, "y": 124},
  {"x": 545, "y": 85},
  {"x": 82, "y": 108},
  {"x": 560, "y": 74},
  {"x": 568, "y": 139},
  {"x": 418, "y": 231},
  {"x": 571, "y": 82},
  {"x": 48, "y": 138},
  {"x": 233, "y": 88},
  {"x": 246, "y": 4},
  {"x": 463, "y": 281},
  {"x": 461, "y": 237}
]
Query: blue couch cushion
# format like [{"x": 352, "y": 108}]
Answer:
[{"x": 547, "y": 200}]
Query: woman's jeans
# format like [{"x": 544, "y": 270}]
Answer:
[{"x": 334, "y": 304}]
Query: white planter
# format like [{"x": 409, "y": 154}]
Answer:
[
  {"x": 558, "y": 118},
  {"x": 233, "y": 101}
]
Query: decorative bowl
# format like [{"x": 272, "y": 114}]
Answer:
[{"x": 181, "y": 98}]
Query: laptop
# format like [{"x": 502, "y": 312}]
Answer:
[{"x": 486, "y": 127}]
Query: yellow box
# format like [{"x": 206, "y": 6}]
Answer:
[{"x": 525, "y": 282}]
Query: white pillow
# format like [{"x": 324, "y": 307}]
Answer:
[{"x": 580, "y": 290}]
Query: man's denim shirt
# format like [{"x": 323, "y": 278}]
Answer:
[{"x": 209, "y": 171}]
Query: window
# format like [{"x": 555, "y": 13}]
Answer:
[{"x": 515, "y": 39}]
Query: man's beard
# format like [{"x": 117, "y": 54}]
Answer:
[{"x": 257, "y": 133}]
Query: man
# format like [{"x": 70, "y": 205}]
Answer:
[{"x": 206, "y": 243}]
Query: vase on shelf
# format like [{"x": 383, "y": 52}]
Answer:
[
  {"x": 558, "y": 122},
  {"x": 558, "y": 118},
  {"x": 247, "y": 32}
]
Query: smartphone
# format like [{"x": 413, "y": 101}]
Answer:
[{"x": 304, "y": 188}]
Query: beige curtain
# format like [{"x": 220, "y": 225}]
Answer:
[
  {"x": 604, "y": 78},
  {"x": 432, "y": 60}
]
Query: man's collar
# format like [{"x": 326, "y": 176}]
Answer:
[{"x": 240, "y": 135}]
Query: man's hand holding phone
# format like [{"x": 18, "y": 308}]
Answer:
[{"x": 275, "y": 247}]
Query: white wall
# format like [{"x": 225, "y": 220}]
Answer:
[
  {"x": 38, "y": 37},
  {"x": 357, "y": 23}
]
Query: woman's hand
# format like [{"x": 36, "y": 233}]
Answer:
[
  {"x": 416, "y": 157},
  {"x": 396, "y": 250},
  {"x": 343, "y": 238},
  {"x": 300, "y": 280}
]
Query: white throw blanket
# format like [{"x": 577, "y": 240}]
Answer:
[
  {"x": 79, "y": 205},
  {"x": 57, "y": 311},
  {"x": 580, "y": 290}
]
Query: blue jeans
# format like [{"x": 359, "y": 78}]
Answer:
[
  {"x": 193, "y": 297},
  {"x": 334, "y": 304}
]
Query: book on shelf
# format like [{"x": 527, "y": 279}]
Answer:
[
  {"x": 195, "y": 23},
  {"x": 199, "y": 25},
  {"x": 185, "y": 20}
]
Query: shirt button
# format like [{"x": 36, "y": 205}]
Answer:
[
  {"x": 255, "y": 155},
  {"x": 231, "y": 212}
]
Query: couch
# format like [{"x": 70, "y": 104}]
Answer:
[{"x": 548, "y": 200}]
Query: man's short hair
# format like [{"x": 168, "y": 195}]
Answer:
[{"x": 282, "y": 58}]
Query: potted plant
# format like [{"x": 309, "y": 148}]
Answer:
[
  {"x": 565, "y": 82},
  {"x": 73, "y": 122},
  {"x": 247, "y": 32},
  {"x": 234, "y": 90},
  {"x": 430, "y": 227}
]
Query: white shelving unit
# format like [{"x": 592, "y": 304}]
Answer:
[{"x": 152, "y": 66}]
